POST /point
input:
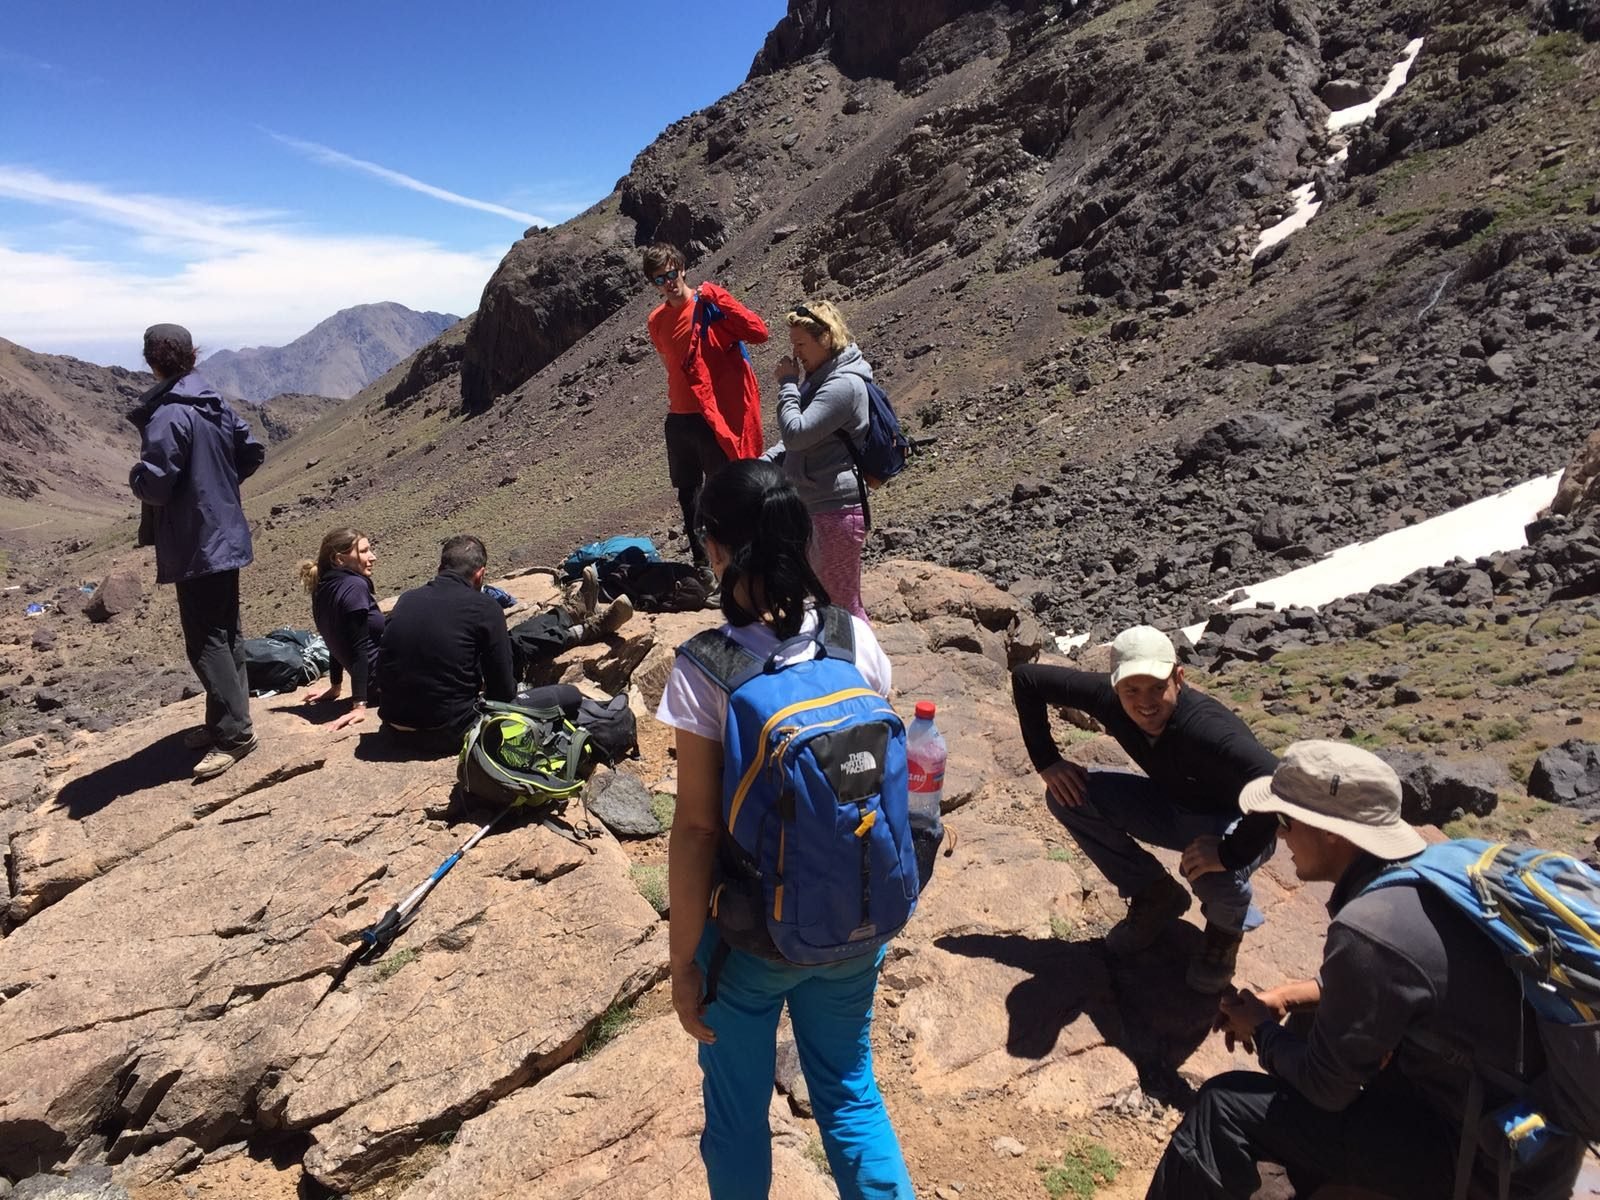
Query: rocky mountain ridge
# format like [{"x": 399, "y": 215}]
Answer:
[{"x": 336, "y": 358}]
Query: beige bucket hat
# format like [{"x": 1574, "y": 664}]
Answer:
[{"x": 1339, "y": 788}]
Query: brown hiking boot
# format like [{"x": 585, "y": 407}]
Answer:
[
  {"x": 1149, "y": 914},
  {"x": 1211, "y": 968}
]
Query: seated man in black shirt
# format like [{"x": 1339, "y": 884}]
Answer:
[
  {"x": 443, "y": 645},
  {"x": 1196, "y": 755}
]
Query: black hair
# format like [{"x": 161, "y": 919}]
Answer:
[
  {"x": 463, "y": 555},
  {"x": 755, "y": 514}
]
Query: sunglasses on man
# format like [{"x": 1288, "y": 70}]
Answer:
[{"x": 663, "y": 280}]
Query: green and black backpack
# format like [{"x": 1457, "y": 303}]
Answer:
[{"x": 532, "y": 758}]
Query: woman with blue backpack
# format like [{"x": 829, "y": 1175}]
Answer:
[
  {"x": 758, "y": 817},
  {"x": 823, "y": 423}
]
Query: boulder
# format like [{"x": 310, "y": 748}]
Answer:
[
  {"x": 89, "y": 1182},
  {"x": 119, "y": 592},
  {"x": 1246, "y": 433},
  {"x": 1568, "y": 774},
  {"x": 622, "y": 805},
  {"x": 1579, "y": 489},
  {"x": 1435, "y": 790}
]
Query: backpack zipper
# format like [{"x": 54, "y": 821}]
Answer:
[{"x": 753, "y": 771}]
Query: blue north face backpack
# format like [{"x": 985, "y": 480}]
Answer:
[
  {"x": 1542, "y": 910},
  {"x": 818, "y": 864},
  {"x": 883, "y": 452}
]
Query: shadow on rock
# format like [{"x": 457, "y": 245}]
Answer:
[
  {"x": 165, "y": 761},
  {"x": 312, "y": 714},
  {"x": 1140, "y": 1006},
  {"x": 383, "y": 745}
]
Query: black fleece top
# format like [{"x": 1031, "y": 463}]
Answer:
[
  {"x": 1202, "y": 760},
  {"x": 345, "y": 610},
  {"x": 1401, "y": 962},
  {"x": 444, "y": 643}
]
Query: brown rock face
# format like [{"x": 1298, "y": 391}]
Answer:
[
  {"x": 864, "y": 37},
  {"x": 548, "y": 292},
  {"x": 1579, "y": 489}
]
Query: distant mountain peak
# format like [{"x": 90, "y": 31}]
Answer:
[{"x": 337, "y": 358}]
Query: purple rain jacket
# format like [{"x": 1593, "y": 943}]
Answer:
[{"x": 194, "y": 453}]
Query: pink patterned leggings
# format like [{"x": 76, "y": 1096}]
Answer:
[{"x": 835, "y": 554}]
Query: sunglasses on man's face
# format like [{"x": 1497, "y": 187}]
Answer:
[
  {"x": 1285, "y": 823},
  {"x": 663, "y": 280}
]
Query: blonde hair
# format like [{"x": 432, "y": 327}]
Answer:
[
  {"x": 336, "y": 541},
  {"x": 823, "y": 321}
]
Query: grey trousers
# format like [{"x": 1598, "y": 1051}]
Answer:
[
  {"x": 1122, "y": 810},
  {"x": 208, "y": 609}
]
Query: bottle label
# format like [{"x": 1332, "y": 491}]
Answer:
[{"x": 925, "y": 780}]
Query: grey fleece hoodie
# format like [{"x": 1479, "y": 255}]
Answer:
[{"x": 810, "y": 417}]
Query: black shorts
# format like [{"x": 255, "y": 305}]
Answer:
[{"x": 692, "y": 450}]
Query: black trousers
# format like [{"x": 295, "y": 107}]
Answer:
[
  {"x": 1389, "y": 1141},
  {"x": 692, "y": 456},
  {"x": 208, "y": 609}
]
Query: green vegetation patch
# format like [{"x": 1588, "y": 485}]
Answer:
[
  {"x": 651, "y": 880},
  {"x": 1085, "y": 1167},
  {"x": 610, "y": 1026},
  {"x": 391, "y": 966}
]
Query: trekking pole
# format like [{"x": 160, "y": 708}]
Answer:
[{"x": 376, "y": 938}]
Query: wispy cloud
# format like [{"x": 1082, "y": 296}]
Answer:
[
  {"x": 233, "y": 275},
  {"x": 337, "y": 158}
]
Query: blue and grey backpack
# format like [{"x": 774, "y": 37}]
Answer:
[
  {"x": 818, "y": 863},
  {"x": 1542, "y": 910},
  {"x": 883, "y": 451}
]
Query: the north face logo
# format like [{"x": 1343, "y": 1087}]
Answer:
[{"x": 859, "y": 763}]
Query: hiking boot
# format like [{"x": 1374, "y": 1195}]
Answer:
[
  {"x": 199, "y": 738},
  {"x": 1211, "y": 968},
  {"x": 221, "y": 758},
  {"x": 1149, "y": 914},
  {"x": 602, "y": 624},
  {"x": 713, "y": 586},
  {"x": 589, "y": 590}
]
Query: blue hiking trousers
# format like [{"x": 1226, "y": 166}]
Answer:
[{"x": 831, "y": 1010}]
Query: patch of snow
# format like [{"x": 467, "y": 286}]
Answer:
[
  {"x": 1066, "y": 643},
  {"x": 1483, "y": 527},
  {"x": 1299, "y": 217},
  {"x": 1343, "y": 118}
]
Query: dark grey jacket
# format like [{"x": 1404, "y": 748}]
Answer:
[
  {"x": 1402, "y": 961},
  {"x": 810, "y": 417},
  {"x": 195, "y": 452}
]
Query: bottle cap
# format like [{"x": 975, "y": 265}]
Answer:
[{"x": 925, "y": 710}]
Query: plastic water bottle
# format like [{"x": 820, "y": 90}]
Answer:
[{"x": 925, "y": 758}]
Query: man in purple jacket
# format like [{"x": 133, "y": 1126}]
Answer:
[{"x": 194, "y": 451}]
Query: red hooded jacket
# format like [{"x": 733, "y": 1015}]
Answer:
[{"x": 712, "y": 369}]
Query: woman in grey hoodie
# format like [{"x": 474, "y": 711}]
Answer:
[{"x": 814, "y": 418}]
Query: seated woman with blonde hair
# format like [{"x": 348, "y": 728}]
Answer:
[
  {"x": 344, "y": 606},
  {"x": 812, "y": 416}
]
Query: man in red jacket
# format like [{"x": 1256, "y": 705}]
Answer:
[{"x": 714, "y": 403}]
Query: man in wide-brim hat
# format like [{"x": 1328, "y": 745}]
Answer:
[{"x": 1365, "y": 1093}]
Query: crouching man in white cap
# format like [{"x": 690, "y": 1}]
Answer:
[
  {"x": 1195, "y": 755},
  {"x": 1371, "y": 1095}
]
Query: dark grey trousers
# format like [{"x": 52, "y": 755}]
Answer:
[
  {"x": 1389, "y": 1141},
  {"x": 208, "y": 609}
]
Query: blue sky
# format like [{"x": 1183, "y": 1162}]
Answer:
[{"x": 247, "y": 170}]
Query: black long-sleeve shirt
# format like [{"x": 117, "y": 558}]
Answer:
[
  {"x": 1201, "y": 761},
  {"x": 443, "y": 643}
]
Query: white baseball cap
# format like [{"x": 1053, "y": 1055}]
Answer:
[{"x": 1142, "y": 650}]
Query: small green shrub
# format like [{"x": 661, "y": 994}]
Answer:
[
  {"x": 817, "y": 1156},
  {"x": 651, "y": 880},
  {"x": 1503, "y": 731},
  {"x": 390, "y": 966},
  {"x": 1084, "y": 1167},
  {"x": 662, "y": 806},
  {"x": 1061, "y": 928},
  {"x": 1059, "y": 854},
  {"x": 610, "y": 1025}
]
